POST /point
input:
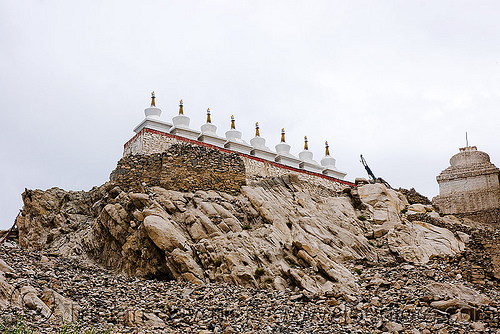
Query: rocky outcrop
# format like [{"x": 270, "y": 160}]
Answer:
[
  {"x": 279, "y": 232},
  {"x": 48, "y": 215},
  {"x": 414, "y": 197}
]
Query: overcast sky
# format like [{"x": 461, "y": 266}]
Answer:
[{"x": 397, "y": 81}]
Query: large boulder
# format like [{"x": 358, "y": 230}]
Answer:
[
  {"x": 164, "y": 233},
  {"x": 456, "y": 291},
  {"x": 141, "y": 319},
  {"x": 418, "y": 242},
  {"x": 5, "y": 268},
  {"x": 63, "y": 308},
  {"x": 5, "y": 293},
  {"x": 385, "y": 204}
]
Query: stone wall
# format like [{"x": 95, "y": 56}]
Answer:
[
  {"x": 490, "y": 216},
  {"x": 150, "y": 142},
  {"x": 182, "y": 167},
  {"x": 414, "y": 197},
  {"x": 257, "y": 168}
]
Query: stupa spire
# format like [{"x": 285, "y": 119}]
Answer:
[
  {"x": 283, "y": 153},
  {"x": 181, "y": 108},
  {"x": 209, "y": 132},
  {"x": 327, "y": 149},
  {"x": 306, "y": 159},
  {"x": 234, "y": 141},
  {"x": 209, "y": 120},
  {"x": 260, "y": 150},
  {"x": 153, "y": 97}
]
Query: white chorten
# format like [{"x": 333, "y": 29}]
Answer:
[
  {"x": 328, "y": 162},
  {"x": 284, "y": 156},
  {"x": 152, "y": 119},
  {"x": 260, "y": 150},
  {"x": 234, "y": 141},
  {"x": 469, "y": 185},
  {"x": 306, "y": 160},
  {"x": 209, "y": 133},
  {"x": 181, "y": 125}
]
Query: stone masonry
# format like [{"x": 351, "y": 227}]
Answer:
[
  {"x": 152, "y": 142},
  {"x": 470, "y": 186},
  {"x": 182, "y": 167}
]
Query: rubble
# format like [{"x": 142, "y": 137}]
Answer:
[{"x": 399, "y": 298}]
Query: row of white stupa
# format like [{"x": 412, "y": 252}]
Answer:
[{"x": 233, "y": 141}]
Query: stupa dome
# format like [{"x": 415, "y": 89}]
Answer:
[
  {"x": 152, "y": 119},
  {"x": 260, "y": 150},
  {"x": 468, "y": 156},
  {"x": 181, "y": 120},
  {"x": 181, "y": 125},
  {"x": 234, "y": 141},
  {"x": 284, "y": 156},
  {"x": 306, "y": 159},
  {"x": 233, "y": 134},
  {"x": 282, "y": 147},
  {"x": 306, "y": 155},
  {"x": 152, "y": 111},
  {"x": 209, "y": 133},
  {"x": 328, "y": 162},
  {"x": 208, "y": 127}
]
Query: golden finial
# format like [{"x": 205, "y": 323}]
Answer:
[
  {"x": 257, "y": 132},
  {"x": 209, "y": 120},
  {"x": 305, "y": 143},
  {"x": 181, "y": 108},
  {"x": 283, "y": 135},
  {"x": 232, "y": 122},
  {"x": 327, "y": 150},
  {"x": 153, "y": 99}
]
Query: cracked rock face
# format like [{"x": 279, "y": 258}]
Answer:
[{"x": 282, "y": 232}]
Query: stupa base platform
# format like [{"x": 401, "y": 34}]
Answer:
[
  {"x": 240, "y": 147},
  {"x": 311, "y": 167},
  {"x": 212, "y": 139},
  {"x": 334, "y": 173},
  {"x": 288, "y": 160},
  {"x": 154, "y": 124},
  {"x": 263, "y": 154},
  {"x": 185, "y": 132}
]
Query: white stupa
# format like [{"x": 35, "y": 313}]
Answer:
[
  {"x": 284, "y": 156},
  {"x": 260, "y": 150},
  {"x": 234, "y": 141},
  {"x": 328, "y": 162},
  {"x": 306, "y": 160},
  {"x": 209, "y": 133},
  {"x": 181, "y": 125},
  {"x": 152, "y": 119}
]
